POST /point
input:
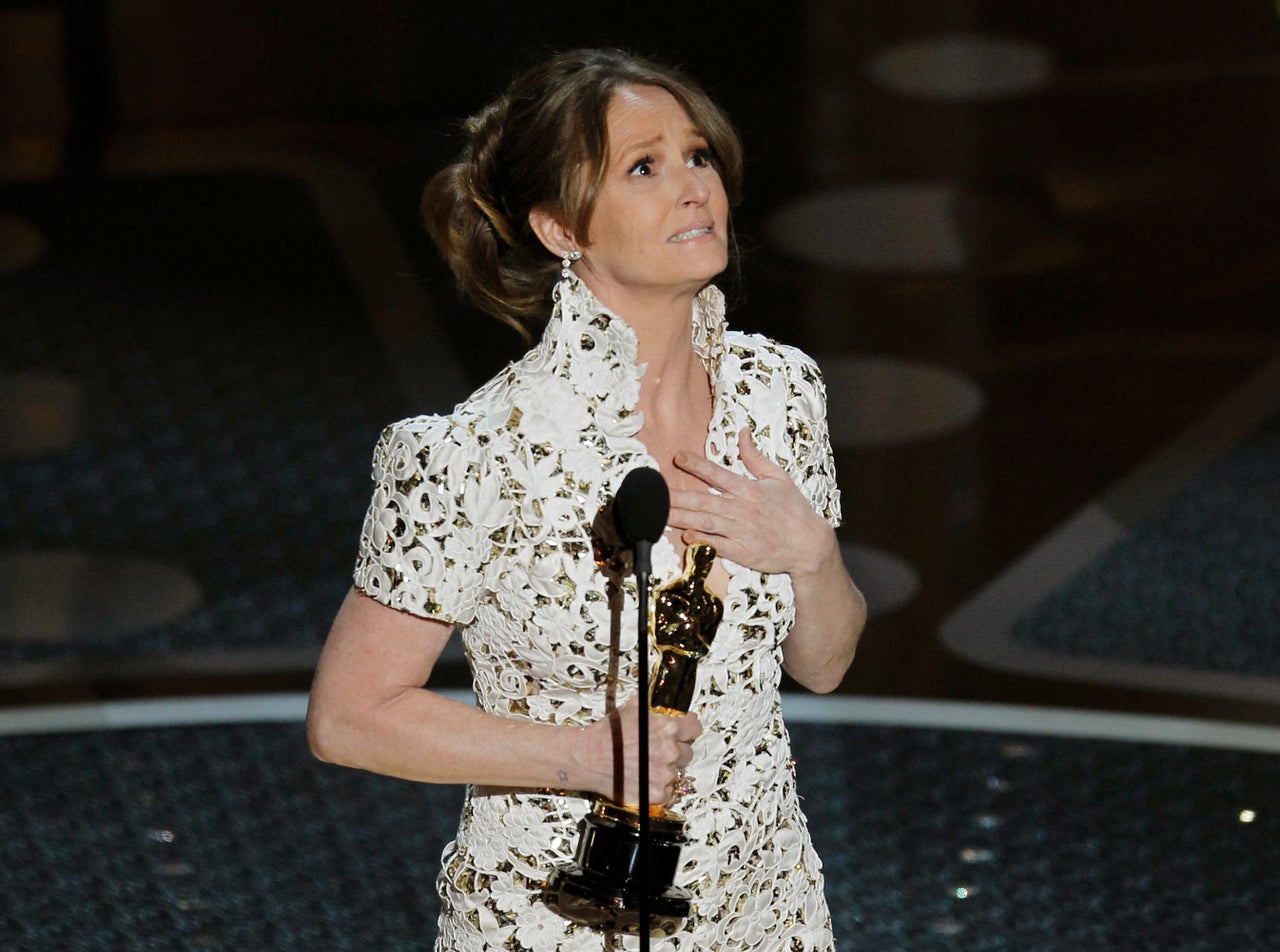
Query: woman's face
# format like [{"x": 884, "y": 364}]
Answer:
[{"x": 661, "y": 218}]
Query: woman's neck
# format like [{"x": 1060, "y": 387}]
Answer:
[{"x": 674, "y": 377}]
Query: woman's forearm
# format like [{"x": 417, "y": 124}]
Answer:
[
  {"x": 368, "y": 710},
  {"x": 830, "y": 616},
  {"x": 424, "y": 736}
]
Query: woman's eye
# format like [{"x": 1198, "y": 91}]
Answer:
[
  {"x": 700, "y": 158},
  {"x": 643, "y": 167}
]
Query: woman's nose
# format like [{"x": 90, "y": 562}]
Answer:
[{"x": 696, "y": 189}]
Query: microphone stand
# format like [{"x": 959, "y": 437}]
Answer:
[
  {"x": 643, "y": 572},
  {"x": 620, "y": 853}
]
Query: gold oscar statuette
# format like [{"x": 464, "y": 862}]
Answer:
[{"x": 601, "y": 887}]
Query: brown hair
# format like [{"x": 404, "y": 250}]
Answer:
[{"x": 544, "y": 142}]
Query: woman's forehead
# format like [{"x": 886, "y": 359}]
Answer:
[{"x": 637, "y": 114}]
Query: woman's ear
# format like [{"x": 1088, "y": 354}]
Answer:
[{"x": 555, "y": 237}]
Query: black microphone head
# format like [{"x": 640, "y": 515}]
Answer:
[{"x": 640, "y": 509}]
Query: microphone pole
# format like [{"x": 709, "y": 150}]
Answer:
[
  {"x": 643, "y": 571},
  {"x": 640, "y": 513}
]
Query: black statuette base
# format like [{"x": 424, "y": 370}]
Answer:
[{"x": 600, "y": 888}]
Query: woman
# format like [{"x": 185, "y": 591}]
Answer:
[{"x": 599, "y": 188}]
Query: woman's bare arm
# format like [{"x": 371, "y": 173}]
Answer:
[
  {"x": 369, "y": 709},
  {"x": 830, "y": 616}
]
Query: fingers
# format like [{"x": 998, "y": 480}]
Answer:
[
  {"x": 710, "y": 473},
  {"x": 670, "y": 751},
  {"x": 715, "y": 513},
  {"x": 757, "y": 463},
  {"x": 671, "y": 741},
  {"x": 723, "y": 479},
  {"x": 732, "y": 496},
  {"x": 688, "y": 728},
  {"x": 761, "y": 520}
]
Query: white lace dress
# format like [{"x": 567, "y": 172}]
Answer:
[{"x": 483, "y": 518}]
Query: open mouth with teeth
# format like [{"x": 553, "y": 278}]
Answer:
[{"x": 691, "y": 234}]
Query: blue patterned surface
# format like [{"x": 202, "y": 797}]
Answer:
[
  {"x": 1196, "y": 585},
  {"x": 236, "y": 394},
  {"x": 232, "y": 837}
]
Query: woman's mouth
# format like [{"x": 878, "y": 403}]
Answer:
[{"x": 691, "y": 234}]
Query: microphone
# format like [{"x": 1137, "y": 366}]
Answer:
[{"x": 640, "y": 512}]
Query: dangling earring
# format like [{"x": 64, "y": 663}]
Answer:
[{"x": 566, "y": 259}]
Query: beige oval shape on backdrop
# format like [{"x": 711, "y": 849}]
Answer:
[{"x": 60, "y": 596}]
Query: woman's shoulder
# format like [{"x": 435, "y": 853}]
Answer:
[
  {"x": 504, "y": 412},
  {"x": 485, "y": 409},
  {"x": 761, "y": 356},
  {"x": 415, "y": 433},
  {"x": 765, "y": 348}
]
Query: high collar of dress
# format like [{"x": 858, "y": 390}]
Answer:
[{"x": 597, "y": 351}]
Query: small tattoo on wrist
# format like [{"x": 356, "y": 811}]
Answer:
[{"x": 563, "y": 776}]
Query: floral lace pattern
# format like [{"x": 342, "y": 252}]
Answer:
[{"x": 483, "y": 518}]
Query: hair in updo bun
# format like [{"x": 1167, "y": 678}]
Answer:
[{"x": 544, "y": 143}]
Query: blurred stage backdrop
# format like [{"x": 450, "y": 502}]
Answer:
[{"x": 1035, "y": 248}]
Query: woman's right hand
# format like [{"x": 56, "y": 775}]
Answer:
[{"x": 616, "y": 743}]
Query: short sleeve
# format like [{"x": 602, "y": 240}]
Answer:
[
  {"x": 815, "y": 469},
  {"x": 419, "y": 553}
]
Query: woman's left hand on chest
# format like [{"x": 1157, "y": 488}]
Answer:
[{"x": 761, "y": 521}]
